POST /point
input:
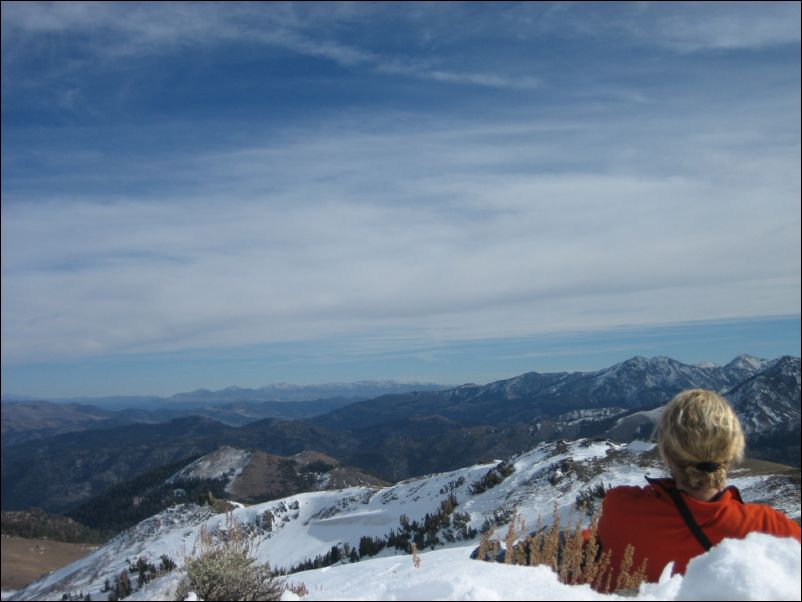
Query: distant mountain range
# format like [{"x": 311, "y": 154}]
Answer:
[
  {"x": 278, "y": 392},
  {"x": 31, "y": 420},
  {"x": 25, "y": 419},
  {"x": 636, "y": 384},
  {"x": 366, "y": 389},
  {"x": 407, "y": 434}
]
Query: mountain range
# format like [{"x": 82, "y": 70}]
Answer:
[
  {"x": 403, "y": 435},
  {"x": 636, "y": 384},
  {"x": 25, "y": 419},
  {"x": 277, "y": 392}
]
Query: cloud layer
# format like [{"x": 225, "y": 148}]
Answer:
[
  {"x": 557, "y": 200},
  {"x": 426, "y": 232}
]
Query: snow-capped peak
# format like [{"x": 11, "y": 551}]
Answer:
[{"x": 748, "y": 362}]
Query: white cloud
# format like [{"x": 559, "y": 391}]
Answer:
[
  {"x": 341, "y": 232},
  {"x": 677, "y": 26},
  {"x": 563, "y": 216},
  {"x": 724, "y": 25}
]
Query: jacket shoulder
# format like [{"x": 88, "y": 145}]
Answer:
[
  {"x": 626, "y": 495},
  {"x": 769, "y": 520},
  {"x": 623, "y": 492}
]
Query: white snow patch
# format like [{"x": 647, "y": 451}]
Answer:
[
  {"x": 653, "y": 415},
  {"x": 729, "y": 571},
  {"x": 760, "y": 567},
  {"x": 639, "y": 446},
  {"x": 226, "y": 462}
]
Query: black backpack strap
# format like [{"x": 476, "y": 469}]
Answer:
[{"x": 686, "y": 515}]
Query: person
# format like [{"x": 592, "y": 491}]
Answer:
[{"x": 674, "y": 519}]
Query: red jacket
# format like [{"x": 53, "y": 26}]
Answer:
[{"x": 647, "y": 518}]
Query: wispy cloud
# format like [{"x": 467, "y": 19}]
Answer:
[
  {"x": 719, "y": 25},
  {"x": 400, "y": 178},
  {"x": 676, "y": 26},
  {"x": 111, "y": 32},
  {"x": 417, "y": 230},
  {"x": 146, "y": 30}
]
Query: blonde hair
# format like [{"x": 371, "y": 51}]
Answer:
[{"x": 701, "y": 435}]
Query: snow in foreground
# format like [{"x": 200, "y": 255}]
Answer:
[{"x": 760, "y": 567}]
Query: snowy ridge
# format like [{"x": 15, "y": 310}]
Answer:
[
  {"x": 639, "y": 372},
  {"x": 307, "y": 525},
  {"x": 224, "y": 463},
  {"x": 749, "y": 363},
  {"x": 771, "y": 399},
  {"x": 652, "y": 415},
  {"x": 588, "y": 415}
]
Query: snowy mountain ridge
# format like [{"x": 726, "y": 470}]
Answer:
[
  {"x": 638, "y": 383},
  {"x": 303, "y": 527},
  {"x": 224, "y": 463}
]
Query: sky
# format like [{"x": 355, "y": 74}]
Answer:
[{"x": 214, "y": 194}]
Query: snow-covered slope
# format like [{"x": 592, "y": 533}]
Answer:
[
  {"x": 770, "y": 400},
  {"x": 251, "y": 476},
  {"x": 289, "y": 531},
  {"x": 224, "y": 463},
  {"x": 758, "y": 568}
]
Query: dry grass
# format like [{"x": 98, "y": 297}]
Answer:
[
  {"x": 25, "y": 560},
  {"x": 415, "y": 557},
  {"x": 576, "y": 558}
]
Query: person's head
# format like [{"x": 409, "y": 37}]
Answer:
[{"x": 700, "y": 437}]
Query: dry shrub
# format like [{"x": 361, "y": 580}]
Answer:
[
  {"x": 488, "y": 548},
  {"x": 575, "y": 558},
  {"x": 415, "y": 557},
  {"x": 226, "y": 570},
  {"x": 509, "y": 540},
  {"x": 628, "y": 581},
  {"x": 299, "y": 589}
]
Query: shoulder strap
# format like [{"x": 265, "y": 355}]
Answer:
[{"x": 686, "y": 515}]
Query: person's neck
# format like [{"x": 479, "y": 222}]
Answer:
[{"x": 704, "y": 495}]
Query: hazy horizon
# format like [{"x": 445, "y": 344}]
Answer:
[{"x": 553, "y": 360}]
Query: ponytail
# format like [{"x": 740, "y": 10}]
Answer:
[{"x": 701, "y": 435}]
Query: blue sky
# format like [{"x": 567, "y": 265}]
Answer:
[{"x": 199, "y": 195}]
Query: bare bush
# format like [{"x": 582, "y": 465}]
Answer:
[{"x": 224, "y": 569}]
